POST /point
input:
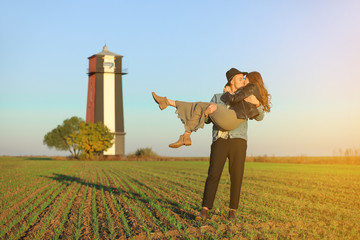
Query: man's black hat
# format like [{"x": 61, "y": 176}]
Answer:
[{"x": 232, "y": 72}]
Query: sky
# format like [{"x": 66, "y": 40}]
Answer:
[{"x": 307, "y": 52}]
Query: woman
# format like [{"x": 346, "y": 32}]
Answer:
[{"x": 194, "y": 114}]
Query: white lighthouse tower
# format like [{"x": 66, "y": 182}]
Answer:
[{"x": 105, "y": 98}]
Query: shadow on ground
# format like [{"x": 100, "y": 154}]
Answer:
[
  {"x": 39, "y": 158},
  {"x": 130, "y": 193}
]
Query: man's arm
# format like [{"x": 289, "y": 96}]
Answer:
[
  {"x": 213, "y": 100},
  {"x": 240, "y": 95}
]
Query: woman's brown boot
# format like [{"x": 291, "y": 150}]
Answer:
[
  {"x": 183, "y": 140},
  {"x": 162, "y": 101}
]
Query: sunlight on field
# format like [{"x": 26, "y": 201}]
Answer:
[{"x": 43, "y": 199}]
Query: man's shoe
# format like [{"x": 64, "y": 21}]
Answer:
[
  {"x": 183, "y": 140},
  {"x": 162, "y": 101},
  {"x": 203, "y": 215},
  {"x": 232, "y": 214}
]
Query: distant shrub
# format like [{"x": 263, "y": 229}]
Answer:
[{"x": 145, "y": 152}]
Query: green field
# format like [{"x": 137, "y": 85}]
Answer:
[{"x": 46, "y": 199}]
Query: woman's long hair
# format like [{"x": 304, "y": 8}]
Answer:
[{"x": 255, "y": 78}]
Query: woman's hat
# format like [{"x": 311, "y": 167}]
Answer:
[{"x": 231, "y": 73}]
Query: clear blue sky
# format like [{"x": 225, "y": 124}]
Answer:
[{"x": 308, "y": 53}]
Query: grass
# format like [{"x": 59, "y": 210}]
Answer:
[
  {"x": 79, "y": 221},
  {"x": 160, "y": 199}
]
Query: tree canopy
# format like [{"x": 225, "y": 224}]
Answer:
[
  {"x": 82, "y": 140},
  {"x": 92, "y": 139},
  {"x": 58, "y": 137}
]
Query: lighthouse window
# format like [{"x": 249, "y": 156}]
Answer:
[{"x": 108, "y": 64}]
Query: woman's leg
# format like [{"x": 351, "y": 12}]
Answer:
[
  {"x": 171, "y": 103},
  {"x": 192, "y": 116},
  {"x": 224, "y": 118},
  {"x": 190, "y": 113}
]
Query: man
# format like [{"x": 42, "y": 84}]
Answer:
[{"x": 231, "y": 145}]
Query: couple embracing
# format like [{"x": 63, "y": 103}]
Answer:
[{"x": 244, "y": 97}]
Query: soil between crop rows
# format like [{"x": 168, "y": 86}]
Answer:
[{"x": 144, "y": 200}]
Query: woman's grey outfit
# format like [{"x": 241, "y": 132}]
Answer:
[
  {"x": 191, "y": 114},
  {"x": 226, "y": 119},
  {"x": 193, "y": 118}
]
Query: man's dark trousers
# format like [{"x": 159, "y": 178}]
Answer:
[{"x": 235, "y": 150}]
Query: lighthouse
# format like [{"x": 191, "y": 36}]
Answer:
[{"x": 105, "y": 98}]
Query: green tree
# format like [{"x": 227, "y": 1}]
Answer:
[
  {"x": 58, "y": 138},
  {"x": 92, "y": 139}
]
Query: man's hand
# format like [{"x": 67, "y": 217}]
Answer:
[
  {"x": 210, "y": 109},
  {"x": 227, "y": 89},
  {"x": 252, "y": 99}
]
